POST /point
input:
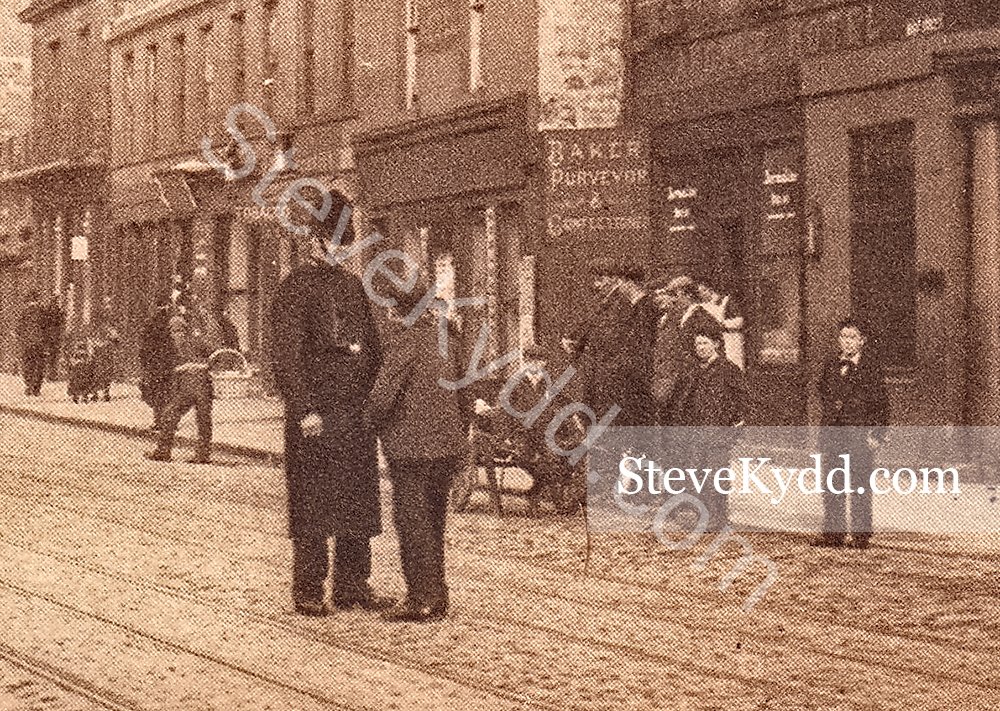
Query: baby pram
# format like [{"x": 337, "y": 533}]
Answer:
[
  {"x": 80, "y": 360},
  {"x": 499, "y": 445},
  {"x": 92, "y": 366}
]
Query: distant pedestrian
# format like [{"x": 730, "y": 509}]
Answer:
[
  {"x": 422, "y": 426},
  {"x": 230, "y": 336},
  {"x": 855, "y": 419},
  {"x": 326, "y": 354},
  {"x": 53, "y": 328},
  {"x": 194, "y": 337},
  {"x": 31, "y": 334},
  {"x": 157, "y": 356},
  {"x": 106, "y": 343}
]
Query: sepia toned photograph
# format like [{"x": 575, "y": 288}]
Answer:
[{"x": 447, "y": 355}]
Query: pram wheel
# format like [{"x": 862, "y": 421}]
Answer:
[{"x": 461, "y": 488}]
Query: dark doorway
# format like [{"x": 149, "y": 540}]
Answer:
[{"x": 883, "y": 240}]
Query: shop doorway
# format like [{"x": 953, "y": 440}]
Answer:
[{"x": 883, "y": 240}]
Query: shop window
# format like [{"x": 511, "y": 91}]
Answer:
[
  {"x": 476, "y": 10},
  {"x": 203, "y": 79},
  {"x": 152, "y": 100},
  {"x": 307, "y": 104},
  {"x": 527, "y": 302},
  {"x": 883, "y": 239},
  {"x": 128, "y": 103},
  {"x": 238, "y": 48},
  {"x": 412, "y": 32},
  {"x": 180, "y": 89},
  {"x": 57, "y": 108},
  {"x": 348, "y": 64},
  {"x": 271, "y": 68},
  {"x": 777, "y": 319}
]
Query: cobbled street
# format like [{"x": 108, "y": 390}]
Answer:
[{"x": 129, "y": 584}]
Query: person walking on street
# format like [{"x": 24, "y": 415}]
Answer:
[
  {"x": 855, "y": 417},
  {"x": 156, "y": 359},
  {"x": 31, "y": 335},
  {"x": 422, "y": 426},
  {"x": 194, "y": 338},
  {"x": 326, "y": 354}
]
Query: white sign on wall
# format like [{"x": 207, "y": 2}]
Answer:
[
  {"x": 79, "y": 248},
  {"x": 580, "y": 63}
]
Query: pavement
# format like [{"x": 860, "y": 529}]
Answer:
[
  {"x": 252, "y": 427},
  {"x": 241, "y": 426}
]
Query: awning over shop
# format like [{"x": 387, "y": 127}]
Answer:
[{"x": 47, "y": 170}]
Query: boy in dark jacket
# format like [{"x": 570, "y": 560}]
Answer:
[
  {"x": 852, "y": 396},
  {"x": 194, "y": 337}
]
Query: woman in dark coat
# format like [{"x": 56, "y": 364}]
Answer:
[
  {"x": 709, "y": 401},
  {"x": 422, "y": 426},
  {"x": 326, "y": 353}
]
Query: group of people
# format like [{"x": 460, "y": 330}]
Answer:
[
  {"x": 343, "y": 390},
  {"x": 91, "y": 349},
  {"x": 670, "y": 353},
  {"x": 667, "y": 353}
]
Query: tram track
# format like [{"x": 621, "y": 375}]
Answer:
[
  {"x": 543, "y": 629},
  {"x": 112, "y": 701},
  {"x": 69, "y": 682},
  {"x": 708, "y": 598},
  {"x": 561, "y": 570}
]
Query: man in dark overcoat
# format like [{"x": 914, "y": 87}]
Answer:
[
  {"x": 53, "y": 325},
  {"x": 614, "y": 349},
  {"x": 326, "y": 354},
  {"x": 156, "y": 358},
  {"x": 671, "y": 352}
]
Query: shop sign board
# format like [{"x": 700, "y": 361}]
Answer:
[
  {"x": 781, "y": 200},
  {"x": 597, "y": 185}
]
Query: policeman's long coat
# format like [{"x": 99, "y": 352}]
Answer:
[{"x": 326, "y": 354}]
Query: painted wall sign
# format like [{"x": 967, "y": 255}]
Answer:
[
  {"x": 781, "y": 200},
  {"x": 596, "y": 183}
]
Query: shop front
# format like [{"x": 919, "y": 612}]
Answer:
[
  {"x": 902, "y": 160},
  {"x": 728, "y": 208},
  {"x": 454, "y": 193}
]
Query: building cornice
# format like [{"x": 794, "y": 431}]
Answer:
[
  {"x": 126, "y": 25},
  {"x": 38, "y": 8},
  {"x": 508, "y": 112}
]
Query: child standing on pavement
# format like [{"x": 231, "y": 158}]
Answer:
[{"x": 855, "y": 417}]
